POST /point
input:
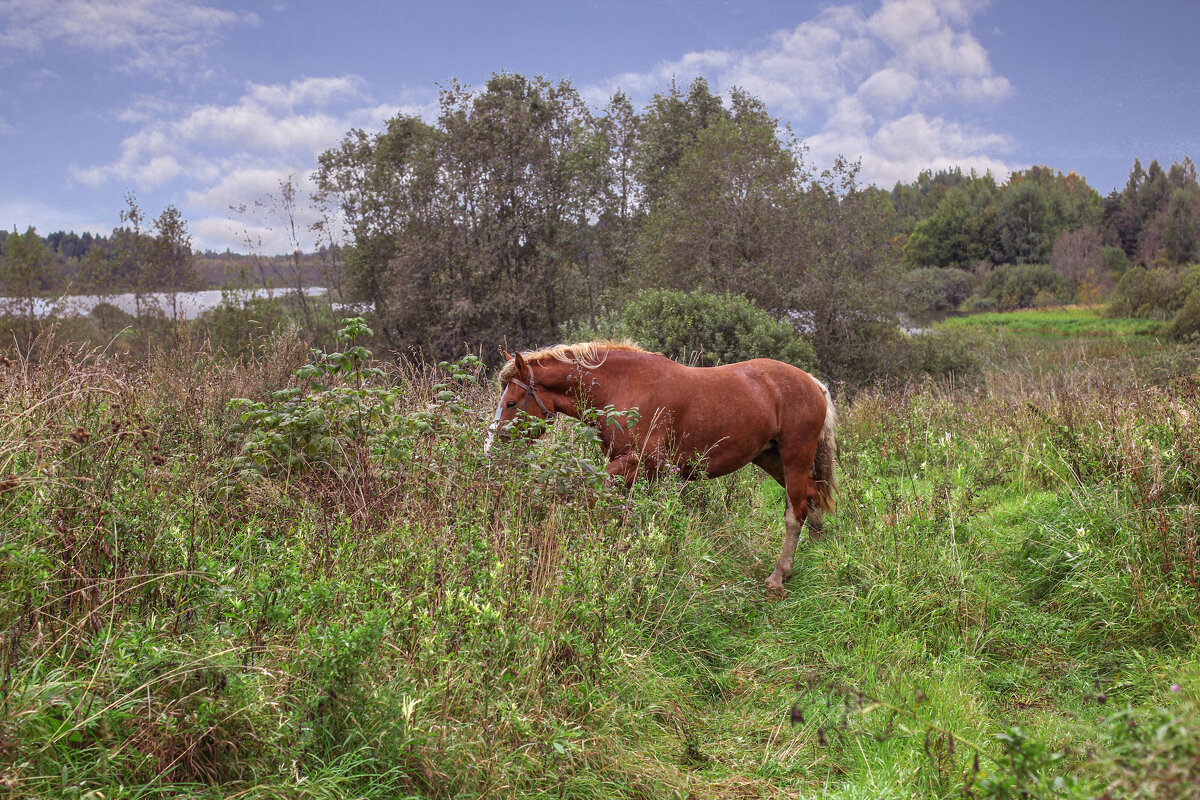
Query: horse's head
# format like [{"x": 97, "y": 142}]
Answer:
[{"x": 520, "y": 396}]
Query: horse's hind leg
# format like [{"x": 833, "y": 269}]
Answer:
[
  {"x": 801, "y": 503},
  {"x": 816, "y": 517}
]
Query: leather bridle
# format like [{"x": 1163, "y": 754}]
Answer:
[{"x": 531, "y": 391}]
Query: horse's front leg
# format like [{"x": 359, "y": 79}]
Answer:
[{"x": 623, "y": 468}]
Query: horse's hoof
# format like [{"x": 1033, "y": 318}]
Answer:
[{"x": 775, "y": 589}]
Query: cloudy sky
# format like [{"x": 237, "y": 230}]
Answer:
[{"x": 208, "y": 105}]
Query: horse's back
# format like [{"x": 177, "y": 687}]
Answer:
[{"x": 731, "y": 413}]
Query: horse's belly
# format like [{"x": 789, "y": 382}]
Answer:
[{"x": 724, "y": 457}]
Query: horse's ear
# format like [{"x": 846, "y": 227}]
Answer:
[
  {"x": 507, "y": 355},
  {"x": 519, "y": 362}
]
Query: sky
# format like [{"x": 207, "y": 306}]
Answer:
[{"x": 208, "y": 106}]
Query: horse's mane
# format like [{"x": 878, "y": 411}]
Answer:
[{"x": 586, "y": 354}]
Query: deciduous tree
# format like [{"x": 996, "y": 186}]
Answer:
[{"x": 25, "y": 271}]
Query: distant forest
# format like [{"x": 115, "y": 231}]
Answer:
[
  {"x": 519, "y": 212},
  {"x": 66, "y": 266}
]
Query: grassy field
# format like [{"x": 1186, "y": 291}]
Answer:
[
  {"x": 324, "y": 590},
  {"x": 1056, "y": 323}
]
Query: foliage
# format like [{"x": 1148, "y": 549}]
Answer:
[
  {"x": 1025, "y": 286},
  {"x": 243, "y": 325},
  {"x": 1157, "y": 293},
  {"x": 1079, "y": 255},
  {"x": 942, "y": 353},
  {"x": 700, "y": 327},
  {"x": 1154, "y": 752},
  {"x": 934, "y": 289},
  {"x": 1185, "y": 326},
  {"x": 471, "y": 228},
  {"x": 24, "y": 270},
  {"x": 961, "y": 231}
]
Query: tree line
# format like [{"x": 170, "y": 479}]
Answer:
[
  {"x": 520, "y": 212},
  {"x": 519, "y": 209}
]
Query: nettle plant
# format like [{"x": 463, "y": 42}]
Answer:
[
  {"x": 343, "y": 405},
  {"x": 561, "y": 466}
]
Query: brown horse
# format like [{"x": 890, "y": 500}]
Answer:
[{"x": 704, "y": 421}]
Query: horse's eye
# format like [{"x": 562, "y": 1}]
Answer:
[{"x": 510, "y": 404}]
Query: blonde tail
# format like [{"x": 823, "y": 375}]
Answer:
[{"x": 825, "y": 465}]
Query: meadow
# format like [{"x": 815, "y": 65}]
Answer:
[
  {"x": 296, "y": 575},
  {"x": 1056, "y": 324}
]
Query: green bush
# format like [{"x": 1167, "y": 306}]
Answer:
[
  {"x": 933, "y": 289},
  {"x": 1150, "y": 294},
  {"x": 1186, "y": 324},
  {"x": 944, "y": 352},
  {"x": 1026, "y": 285},
  {"x": 710, "y": 328}
]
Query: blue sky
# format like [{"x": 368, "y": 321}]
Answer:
[{"x": 209, "y": 105}]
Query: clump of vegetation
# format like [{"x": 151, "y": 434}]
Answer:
[
  {"x": 1012, "y": 286},
  {"x": 935, "y": 289},
  {"x": 1156, "y": 293},
  {"x": 700, "y": 327}
]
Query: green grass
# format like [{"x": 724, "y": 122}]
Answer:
[
  {"x": 333, "y": 594},
  {"x": 1052, "y": 323}
]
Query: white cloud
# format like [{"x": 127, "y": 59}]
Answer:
[
  {"x": 900, "y": 149},
  {"x": 875, "y": 86},
  {"x": 281, "y": 125},
  {"x": 236, "y": 154},
  {"x": 142, "y": 35}
]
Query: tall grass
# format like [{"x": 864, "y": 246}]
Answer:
[{"x": 327, "y": 591}]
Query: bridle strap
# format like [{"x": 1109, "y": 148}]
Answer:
[{"x": 531, "y": 391}]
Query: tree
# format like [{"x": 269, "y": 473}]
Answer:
[
  {"x": 383, "y": 187},
  {"x": 1022, "y": 214},
  {"x": 1181, "y": 224},
  {"x": 131, "y": 248},
  {"x": 475, "y": 229},
  {"x": 961, "y": 231},
  {"x": 172, "y": 269},
  {"x": 25, "y": 271},
  {"x": 725, "y": 220},
  {"x": 918, "y": 200},
  {"x": 668, "y": 128},
  {"x": 1079, "y": 255},
  {"x": 618, "y": 221}
]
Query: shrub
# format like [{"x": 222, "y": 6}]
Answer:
[
  {"x": 933, "y": 289},
  {"x": 1148, "y": 294},
  {"x": 1186, "y": 324},
  {"x": 1021, "y": 285},
  {"x": 710, "y": 328},
  {"x": 956, "y": 351}
]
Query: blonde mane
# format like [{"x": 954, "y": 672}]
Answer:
[{"x": 587, "y": 354}]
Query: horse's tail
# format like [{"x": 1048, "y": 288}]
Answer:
[{"x": 824, "y": 466}]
